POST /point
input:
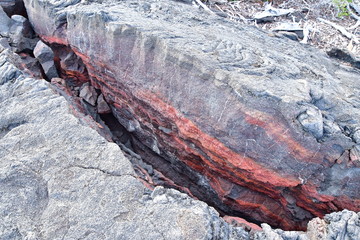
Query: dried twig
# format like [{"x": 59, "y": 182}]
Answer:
[
  {"x": 204, "y": 7},
  {"x": 306, "y": 31},
  {"x": 354, "y": 26},
  {"x": 340, "y": 29},
  {"x": 237, "y": 13}
]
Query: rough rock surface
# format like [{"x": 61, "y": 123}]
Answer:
[
  {"x": 88, "y": 93},
  {"x": 102, "y": 106},
  {"x": 21, "y": 34},
  {"x": 5, "y": 22},
  {"x": 262, "y": 124},
  {"x": 60, "y": 180},
  {"x": 45, "y": 55}
]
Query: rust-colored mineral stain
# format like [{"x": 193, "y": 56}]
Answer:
[
  {"x": 51, "y": 39},
  {"x": 216, "y": 150},
  {"x": 281, "y": 136},
  {"x": 211, "y": 158},
  {"x": 242, "y": 222}
]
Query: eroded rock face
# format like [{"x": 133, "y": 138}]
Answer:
[
  {"x": 59, "y": 179},
  {"x": 265, "y": 126}
]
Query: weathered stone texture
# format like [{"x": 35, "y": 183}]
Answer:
[
  {"x": 59, "y": 179},
  {"x": 267, "y": 123}
]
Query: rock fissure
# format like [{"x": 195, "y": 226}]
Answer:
[
  {"x": 231, "y": 134},
  {"x": 106, "y": 172}
]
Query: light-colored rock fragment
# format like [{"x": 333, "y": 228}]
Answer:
[
  {"x": 45, "y": 55},
  {"x": 312, "y": 121},
  {"x": 5, "y": 22},
  {"x": 102, "y": 106},
  {"x": 89, "y": 94}
]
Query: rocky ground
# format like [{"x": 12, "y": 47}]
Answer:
[
  {"x": 61, "y": 179},
  {"x": 305, "y": 17}
]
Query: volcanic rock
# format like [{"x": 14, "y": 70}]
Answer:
[
  {"x": 102, "y": 106},
  {"x": 71, "y": 65},
  {"x": 46, "y": 58},
  {"x": 60, "y": 179},
  {"x": 5, "y": 22},
  {"x": 4, "y": 43},
  {"x": 339, "y": 225},
  {"x": 21, "y": 34},
  {"x": 31, "y": 66},
  {"x": 219, "y": 107},
  {"x": 88, "y": 93}
]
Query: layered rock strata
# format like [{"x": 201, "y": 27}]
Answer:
[
  {"x": 259, "y": 126},
  {"x": 60, "y": 180}
]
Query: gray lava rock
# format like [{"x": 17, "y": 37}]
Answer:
[
  {"x": 88, "y": 93},
  {"x": 339, "y": 225},
  {"x": 312, "y": 121},
  {"x": 236, "y": 84},
  {"x": 343, "y": 225},
  {"x": 31, "y": 66},
  {"x": 45, "y": 55},
  {"x": 21, "y": 34},
  {"x": 20, "y": 25},
  {"x": 4, "y": 44},
  {"x": 59, "y": 179},
  {"x": 4, "y": 23},
  {"x": 102, "y": 106}
]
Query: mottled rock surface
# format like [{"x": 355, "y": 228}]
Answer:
[
  {"x": 59, "y": 179},
  {"x": 264, "y": 125}
]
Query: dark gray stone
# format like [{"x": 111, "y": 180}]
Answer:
[
  {"x": 21, "y": 25},
  {"x": 21, "y": 34},
  {"x": 45, "y": 55},
  {"x": 12, "y": 7}
]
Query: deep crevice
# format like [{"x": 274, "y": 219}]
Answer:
[{"x": 152, "y": 168}]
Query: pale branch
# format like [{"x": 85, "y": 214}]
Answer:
[
  {"x": 341, "y": 29},
  {"x": 204, "y": 6}
]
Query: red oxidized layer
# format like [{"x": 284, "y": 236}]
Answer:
[{"x": 226, "y": 169}]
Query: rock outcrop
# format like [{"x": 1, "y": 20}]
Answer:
[
  {"x": 60, "y": 180},
  {"x": 258, "y": 126}
]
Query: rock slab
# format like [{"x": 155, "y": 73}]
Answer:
[
  {"x": 263, "y": 124},
  {"x": 59, "y": 179}
]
